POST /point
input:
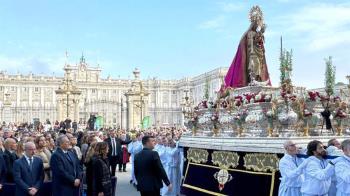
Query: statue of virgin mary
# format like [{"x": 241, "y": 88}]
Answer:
[{"x": 249, "y": 64}]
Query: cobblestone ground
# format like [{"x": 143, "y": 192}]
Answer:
[{"x": 124, "y": 188}]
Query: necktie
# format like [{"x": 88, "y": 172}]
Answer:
[
  {"x": 113, "y": 147},
  {"x": 295, "y": 161},
  {"x": 68, "y": 157},
  {"x": 30, "y": 164}
]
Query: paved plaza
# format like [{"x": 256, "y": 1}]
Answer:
[{"x": 123, "y": 185}]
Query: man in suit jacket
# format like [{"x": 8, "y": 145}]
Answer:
[
  {"x": 115, "y": 154},
  {"x": 149, "y": 171},
  {"x": 10, "y": 157},
  {"x": 28, "y": 172},
  {"x": 66, "y": 170},
  {"x": 2, "y": 171}
]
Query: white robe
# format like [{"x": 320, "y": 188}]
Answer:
[
  {"x": 291, "y": 168},
  {"x": 342, "y": 172},
  {"x": 317, "y": 175},
  {"x": 134, "y": 148},
  {"x": 174, "y": 170},
  {"x": 163, "y": 159}
]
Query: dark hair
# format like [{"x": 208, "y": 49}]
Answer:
[
  {"x": 100, "y": 149},
  {"x": 312, "y": 146},
  {"x": 146, "y": 138},
  {"x": 37, "y": 140}
]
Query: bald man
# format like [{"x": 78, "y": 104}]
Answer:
[
  {"x": 28, "y": 172},
  {"x": 291, "y": 168},
  {"x": 10, "y": 157}
]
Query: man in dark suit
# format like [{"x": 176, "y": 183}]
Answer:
[
  {"x": 66, "y": 170},
  {"x": 115, "y": 154},
  {"x": 2, "y": 171},
  {"x": 75, "y": 126},
  {"x": 149, "y": 171},
  {"x": 10, "y": 157},
  {"x": 28, "y": 172}
]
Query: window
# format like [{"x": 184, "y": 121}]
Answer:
[
  {"x": 104, "y": 91},
  {"x": 93, "y": 91},
  {"x": 36, "y": 89},
  {"x": 1, "y": 88},
  {"x": 174, "y": 92},
  {"x": 114, "y": 91},
  {"x": 13, "y": 88}
]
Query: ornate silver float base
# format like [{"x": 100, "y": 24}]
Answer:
[{"x": 245, "y": 144}]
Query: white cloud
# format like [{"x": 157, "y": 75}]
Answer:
[
  {"x": 43, "y": 65},
  {"x": 321, "y": 26},
  {"x": 231, "y": 7},
  {"x": 214, "y": 23},
  {"x": 225, "y": 9}
]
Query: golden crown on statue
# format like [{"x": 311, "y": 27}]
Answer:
[{"x": 256, "y": 15}]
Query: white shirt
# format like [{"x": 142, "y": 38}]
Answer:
[
  {"x": 317, "y": 176},
  {"x": 342, "y": 172},
  {"x": 114, "y": 153},
  {"x": 28, "y": 161}
]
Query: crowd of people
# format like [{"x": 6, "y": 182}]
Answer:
[
  {"x": 324, "y": 170},
  {"x": 76, "y": 161}
]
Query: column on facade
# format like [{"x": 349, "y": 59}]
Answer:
[
  {"x": 17, "y": 104},
  {"x": 76, "y": 109},
  {"x": 30, "y": 103},
  {"x": 130, "y": 112},
  {"x": 42, "y": 98},
  {"x": 59, "y": 108}
]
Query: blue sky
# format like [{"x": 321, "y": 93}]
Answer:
[{"x": 170, "y": 39}]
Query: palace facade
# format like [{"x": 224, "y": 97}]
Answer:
[{"x": 82, "y": 92}]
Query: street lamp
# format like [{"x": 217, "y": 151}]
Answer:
[
  {"x": 121, "y": 113},
  {"x": 186, "y": 106},
  {"x": 141, "y": 96},
  {"x": 67, "y": 93}
]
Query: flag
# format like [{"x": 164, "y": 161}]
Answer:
[
  {"x": 99, "y": 122},
  {"x": 146, "y": 122}
]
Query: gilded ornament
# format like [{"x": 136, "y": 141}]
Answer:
[
  {"x": 261, "y": 162},
  {"x": 197, "y": 155}
]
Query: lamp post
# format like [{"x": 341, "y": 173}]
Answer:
[
  {"x": 67, "y": 93},
  {"x": 121, "y": 113},
  {"x": 141, "y": 104},
  {"x": 186, "y": 106}
]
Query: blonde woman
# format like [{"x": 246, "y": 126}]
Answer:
[
  {"x": 45, "y": 155},
  {"x": 98, "y": 175},
  {"x": 20, "y": 148},
  {"x": 90, "y": 152}
]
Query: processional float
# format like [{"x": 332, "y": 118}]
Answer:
[{"x": 236, "y": 141}]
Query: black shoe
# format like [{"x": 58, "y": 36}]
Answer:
[
  {"x": 130, "y": 181},
  {"x": 124, "y": 170},
  {"x": 120, "y": 170}
]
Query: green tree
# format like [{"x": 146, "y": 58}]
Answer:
[
  {"x": 330, "y": 76},
  {"x": 286, "y": 66}
]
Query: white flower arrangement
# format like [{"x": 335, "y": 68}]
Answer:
[
  {"x": 258, "y": 96},
  {"x": 267, "y": 97},
  {"x": 269, "y": 113}
]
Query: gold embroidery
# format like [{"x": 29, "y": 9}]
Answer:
[
  {"x": 225, "y": 159},
  {"x": 197, "y": 155},
  {"x": 261, "y": 162},
  {"x": 234, "y": 170}
]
